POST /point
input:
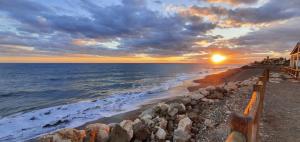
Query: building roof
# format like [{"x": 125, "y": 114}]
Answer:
[{"x": 295, "y": 50}]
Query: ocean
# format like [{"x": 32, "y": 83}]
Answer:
[{"x": 40, "y": 98}]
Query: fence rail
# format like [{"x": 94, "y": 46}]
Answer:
[
  {"x": 291, "y": 71},
  {"x": 244, "y": 127}
]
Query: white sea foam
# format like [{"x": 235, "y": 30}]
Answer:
[{"x": 24, "y": 126}]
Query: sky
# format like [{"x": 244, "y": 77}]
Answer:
[{"x": 147, "y": 31}]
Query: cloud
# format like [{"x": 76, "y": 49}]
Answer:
[
  {"x": 130, "y": 28},
  {"x": 141, "y": 30},
  {"x": 272, "y": 11},
  {"x": 234, "y": 2}
]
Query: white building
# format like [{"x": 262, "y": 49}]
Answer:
[{"x": 295, "y": 58}]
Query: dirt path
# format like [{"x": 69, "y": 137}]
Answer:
[{"x": 281, "y": 118}]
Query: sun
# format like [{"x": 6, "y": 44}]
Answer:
[{"x": 217, "y": 58}]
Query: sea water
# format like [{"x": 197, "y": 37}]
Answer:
[{"x": 40, "y": 98}]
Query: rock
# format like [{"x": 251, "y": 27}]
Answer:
[
  {"x": 210, "y": 88},
  {"x": 215, "y": 95},
  {"x": 148, "y": 122},
  {"x": 97, "y": 133},
  {"x": 181, "y": 136},
  {"x": 64, "y": 135},
  {"x": 172, "y": 111},
  {"x": 175, "y": 108},
  {"x": 196, "y": 96},
  {"x": 147, "y": 114},
  {"x": 194, "y": 117},
  {"x": 161, "y": 134},
  {"x": 209, "y": 123},
  {"x": 204, "y": 92},
  {"x": 163, "y": 123},
  {"x": 140, "y": 130},
  {"x": 170, "y": 126},
  {"x": 119, "y": 134},
  {"x": 127, "y": 125},
  {"x": 209, "y": 100},
  {"x": 230, "y": 86},
  {"x": 185, "y": 124},
  {"x": 163, "y": 108},
  {"x": 221, "y": 90},
  {"x": 179, "y": 117},
  {"x": 186, "y": 100}
]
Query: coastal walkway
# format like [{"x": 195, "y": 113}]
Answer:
[{"x": 281, "y": 116}]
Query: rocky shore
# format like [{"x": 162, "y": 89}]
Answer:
[{"x": 199, "y": 116}]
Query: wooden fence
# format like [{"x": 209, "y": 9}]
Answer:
[
  {"x": 291, "y": 71},
  {"x": 244, "y": 127}
]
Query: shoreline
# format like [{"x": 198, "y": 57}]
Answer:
[
  {"x": 230, "y": 75},
  {"x": 235, "y": 74}
]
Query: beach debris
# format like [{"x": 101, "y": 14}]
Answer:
[
  {"x": 161, "y": 134},
  {"x": 97, "y": 132},
  {"x": 67, "y": 134}
]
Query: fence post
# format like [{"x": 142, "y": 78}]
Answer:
[{"x": 241, "y": 124}]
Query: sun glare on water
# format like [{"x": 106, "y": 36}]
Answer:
[{"x": 217, "y": 58}]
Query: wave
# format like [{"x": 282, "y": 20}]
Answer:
[{"x": 27, "y": 125}]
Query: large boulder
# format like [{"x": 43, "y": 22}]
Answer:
[
  {"x": 175, "y": 108},
  {"x": 183, "y": 131},
  {"x": 161, "y": 134},
  {"x": 185, "y": 124},
  {"x": 196, "y": 96},
  {"x": 127, "y": 125},
  {"x": 119, "y": 134},
  {"x": 64, "y": 135},
  {"x": 163, "y": 123},
  {"x": 140, "y": 130},
  {"x": 97, "y": 133},
  {"x": 147, "y": 114},
  {"x": 186, "y": 100},
  {"x": 162, "y": 108}
]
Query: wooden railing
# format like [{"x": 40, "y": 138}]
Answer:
[
  {"x": 244, "y": 127},
  {"x": 291, "y": 71}
]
